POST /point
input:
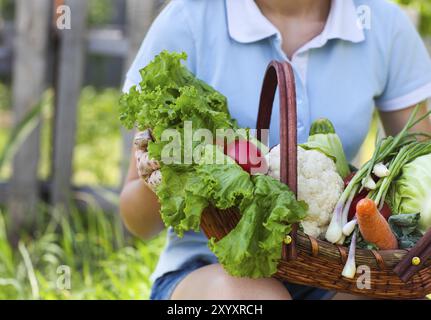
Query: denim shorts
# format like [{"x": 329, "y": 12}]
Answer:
[{"x": 165, "y": 285}]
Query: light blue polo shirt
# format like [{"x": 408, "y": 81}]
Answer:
[{"x": 369, "y": 54}]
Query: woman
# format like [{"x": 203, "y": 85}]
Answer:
[{"x": 344, "y": 67}]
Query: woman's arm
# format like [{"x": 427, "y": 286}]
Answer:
[
  {"x": 394, "y": 121},
  {"x": 139, "y": 206}
]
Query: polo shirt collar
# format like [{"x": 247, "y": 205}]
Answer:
[{"x": 247, "y": 24}]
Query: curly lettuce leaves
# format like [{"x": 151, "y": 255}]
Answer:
[
  {"x": 168, "y": 99},
  {"x": 268, "y": 209},
  {"x": 186, "y": 191},
  {"x": 253, "y": 248},
  {"x": 171, "y": 195},
  {"x": 170, "y": 95}
]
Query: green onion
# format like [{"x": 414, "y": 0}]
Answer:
[{"x": 397, "y": 151}]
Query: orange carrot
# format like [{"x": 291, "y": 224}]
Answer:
[{"x": 373, "y": 226}]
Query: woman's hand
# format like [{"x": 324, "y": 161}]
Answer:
[
  {"x": 148, "y": 169},
  {"x": 139, "y": 206}
]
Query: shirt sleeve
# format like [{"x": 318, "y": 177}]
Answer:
[
  {"x": 408, "y": 79},
  {"x": 169, "y": 31}
]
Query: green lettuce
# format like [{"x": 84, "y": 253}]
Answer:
[
  {"x": 186, "y": 191},
  {"x": 169, "y": 96},
  {"x": 267, "y": 207},
  {"x": 254, "y": 247}
]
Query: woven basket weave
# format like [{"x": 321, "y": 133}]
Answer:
[{"x": 309, "y": 261}]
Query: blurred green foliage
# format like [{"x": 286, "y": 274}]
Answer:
[
  {"x": 103, "y": 263},
  {"x": 424, "y": 8},
  {"x": 100, "y": 12},
  {"x": 5, "y": 97},
  {"x": 97, "y": 153},
  {"x": 98, "y": 142},
  {"x": 6, "y": 9}
]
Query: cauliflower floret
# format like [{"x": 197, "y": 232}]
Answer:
[{"x": 319, "y": 185}]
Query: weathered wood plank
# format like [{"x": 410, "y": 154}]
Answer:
[
  {"x": 29, "y": 81},
  {"x": 68, "y": 87},
  {"x": 140, "y": 15}
]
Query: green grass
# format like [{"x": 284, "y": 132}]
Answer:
[
  {"x": 98, "y": 142},
  {"x": 103, "y": 264}
]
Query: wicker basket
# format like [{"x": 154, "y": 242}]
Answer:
[{"x": 395, "y": 274}]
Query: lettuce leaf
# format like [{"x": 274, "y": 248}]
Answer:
[
  {"x": 268, "y": 209},
  {"x": 253, "y": 248},
  {"x": 186, "y": 191},
  {"x": 168, "y": 97}
]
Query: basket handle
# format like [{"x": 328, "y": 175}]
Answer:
[{"x": 281, "y": 75}]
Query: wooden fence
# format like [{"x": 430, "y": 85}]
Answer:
[{"x": 45, "y": 56}]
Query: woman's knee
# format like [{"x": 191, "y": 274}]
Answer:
[
  {"x": 212, "y": 282},
  {"x": 229, "y": 288}
]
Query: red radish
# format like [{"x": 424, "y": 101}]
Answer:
[
  {"x": 247, "y": 155},
  {"x": 348, "y": 179},
  {"x": 356, "y": 199}
]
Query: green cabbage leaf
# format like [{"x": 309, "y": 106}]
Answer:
[{"x": 412, "y": 191}]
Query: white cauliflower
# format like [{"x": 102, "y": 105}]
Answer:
[{"x": 319, "y": 185}]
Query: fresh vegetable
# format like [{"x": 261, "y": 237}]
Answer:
[
  {"x": 319, "y": 185},
  {"x": 374, "y": 227},
  {"x": 397, "y": 151},
  {"x": 360, "y": 242},
  {"x": 405, "y": 228},
  {"x": 348, "y": 179},
  {"x": 250, "y": 249},
  {"x": 385, "y": 211},
  {"x": 349, "y": 270},
  {"x": 186, "y": 191},
  {"x": 405, "y": 155},
  {"x": 380, "y": 170},
  {"x": 369, "y": 183},
  {"x": 170, "y": 98},
  {"x": 413, "y": 190},
  {"x": 349, "y": 227},
  {"x": 248, "y": 156},
  {"x": 324, "y": 139}
]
